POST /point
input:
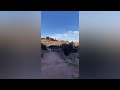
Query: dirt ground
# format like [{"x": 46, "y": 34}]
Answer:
[{"x": 54, "y": 67}]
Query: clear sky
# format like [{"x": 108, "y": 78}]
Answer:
[{"x": 60, "y": 25}]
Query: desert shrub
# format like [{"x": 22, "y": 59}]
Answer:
[
  {"x": 68, "y": 48},
  {"x": 43, "y": 46}
]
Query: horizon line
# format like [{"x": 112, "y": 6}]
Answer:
[{"x": 59, "y": 39}]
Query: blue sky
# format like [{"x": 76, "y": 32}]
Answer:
[{"x": 60, "y": 25}]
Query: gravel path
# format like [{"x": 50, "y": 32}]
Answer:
[{"x": 53, "y": 67}]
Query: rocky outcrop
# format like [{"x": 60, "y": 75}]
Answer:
[
  {"x": 48, "y": 41},
  {"x": 51, "y": 39}
]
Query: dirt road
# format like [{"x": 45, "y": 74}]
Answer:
[{"x": 53, "y": 67}]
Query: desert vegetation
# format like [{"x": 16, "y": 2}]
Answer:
[
  {"x": 59, "y": 56},
  {"x": 43, "y": 49},
  {"x": 67, "y": 50}
]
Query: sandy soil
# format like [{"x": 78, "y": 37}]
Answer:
[{"x": 53, "y": 67}]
